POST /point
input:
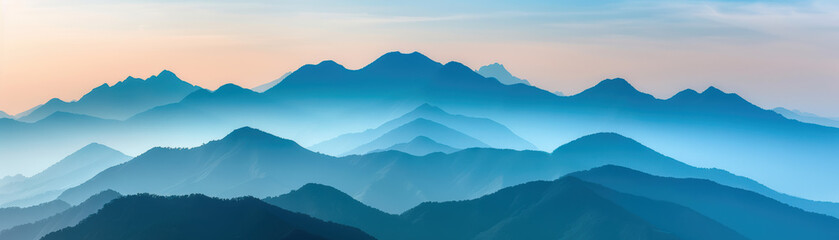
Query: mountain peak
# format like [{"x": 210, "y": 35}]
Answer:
[
  {"x": 616, "y": 89},
  {"x": 500, "y": 73},
  {"x": 232, "y": 88},
  {"x": 55, "y": 101},
  {"x": 711, "y": 90},
  {"x": 397, "y": 62},
  {"x": 599, "y": 140},
  {"x": 250, "y": 135},
  {"x": 166, "y": 74},
  {"x": 426, "y": 108}
]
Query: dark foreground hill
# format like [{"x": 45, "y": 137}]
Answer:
[
  {"x": 67, "y": 218},
  {"x": 751, "y": 214},
  {"x": 147, "y": 216},
  {"x": 563, "y": 209}
]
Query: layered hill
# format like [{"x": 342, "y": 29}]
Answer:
[
  {"x": 67, "y": 218},
  {"x": 751, "y": 214},
  {"x": 13, "y": 216},
  {"x": 488, "y": 132},
  {"x": 69, "y": 172},
  {"x": 563, "y": 209},
  {"x": 252, "y": 162},
  {"x": 420, "y": 146},
  {"x": 199, "y": 217}
]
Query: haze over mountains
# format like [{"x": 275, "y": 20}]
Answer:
[
  {"x": 410, "y": 148},
  {"x": 807, "y": 117},
  {"x": 252, "y": 162},
  {"x": 319, "y": 102},
  {"x": 66, "y": 173}
]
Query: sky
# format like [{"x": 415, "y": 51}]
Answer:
[{"x": 773, "y": 53}]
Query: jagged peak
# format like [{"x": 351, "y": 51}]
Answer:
[{"x": 711, "y": 90}]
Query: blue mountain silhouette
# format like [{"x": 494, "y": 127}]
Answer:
[
  {"x": 497, "y": 71},
  {"x": 122, "y": 100},
  {"x": 199, "y": 217},
  {"x": 751, "y": 214}
]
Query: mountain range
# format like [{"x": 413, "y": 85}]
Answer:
[
  {"x": 319, "y": 102},
  {"x": 255, "y": 163},
  {"x": 562, "y": 209},
  {"x": 120, "y": 101}
]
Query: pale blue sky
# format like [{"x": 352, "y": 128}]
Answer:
[{"x": 774, "y": 53}]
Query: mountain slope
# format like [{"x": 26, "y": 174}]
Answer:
[
  {"x": 13, "y": 216},
  {"x": 245, "y": 162},
  {"x": 427, "y": 219},
  {"x": 807, "y": 117},
  {"x": 420, "y": 146},
  {"x": 68, "y": 172},
  {"x": 330, "y": 204},
  {"x": 751, "y": 214},
  {"x": 122, "y": 100},
  {"x": 416, "y": 128},
  {"x": 497, "y": 71},
  {"x": 564, "y": 209},
  {"x": 613, "y": 149},
  {"x": 269, "y": 85},
  {"x": 4, "y": 115},
  {"x": 199, "y": 217},
  {"x": 485, "y": 130},
  {"x": 66, "y": 218}
]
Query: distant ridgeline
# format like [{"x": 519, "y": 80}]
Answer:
[{"x": 410, "y": 148}]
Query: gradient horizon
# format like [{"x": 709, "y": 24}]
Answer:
[{"x": 773, "y": 53}]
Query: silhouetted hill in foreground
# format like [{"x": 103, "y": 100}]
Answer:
[
  {"x": 330, "y": 204},
  {"x": 13, "y": 216},
  {"x": 66, "y": 218},
  {"x": 563, "y": 209},
  {"x": 751, "y": 214},
  {"x": 199, "y": 217}
]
